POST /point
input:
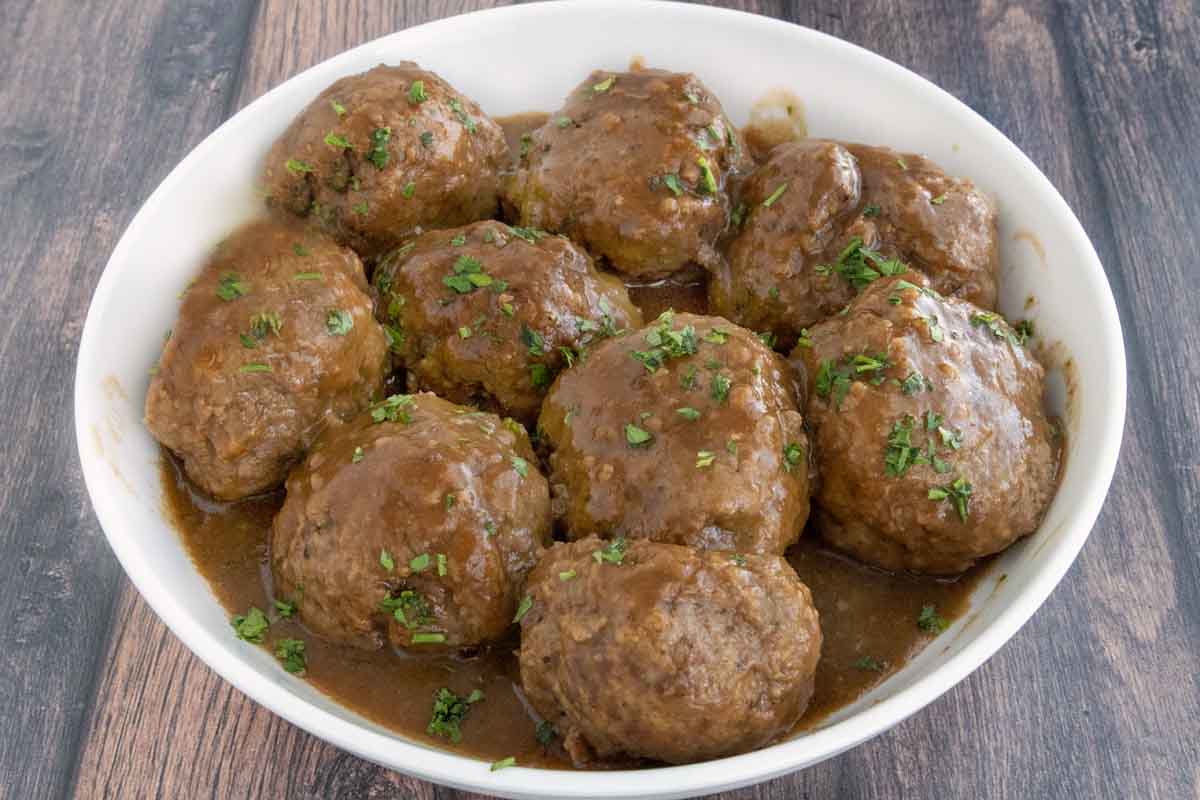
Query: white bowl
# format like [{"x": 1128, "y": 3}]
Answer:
[{"x": 527, "y": 58}]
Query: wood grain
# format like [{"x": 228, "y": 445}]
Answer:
[{"x": 1098, "y": 696}]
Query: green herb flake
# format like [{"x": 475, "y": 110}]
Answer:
[
  {"x": 420, "y": 563},
  {"x": 611, "y": 553},
  {"x": 449, "y": 712},
  {"x": 929, "y": 620},
  {"x": 900, "y": 162},
  {"x": 871, "y": 210},
  {"x": 716, "y": 336},
  {"x": 793, "y": 456},
  {"x": 958, "y": 493},
  {"x": 870, "y": 664},
  {"x": 937, "y": 201},
  {"x": 358, "y": 455},
  {"x": 671, "y": 181},
  {"x": 544, "y": 733},
  {"x": 386, "y": 561},
  {"x": 285, "y": 608},
  {"x": 899, "y": 455},
  {"x": 775, "y": 195},
  {"x": 337, "y": 141},
  {"x": 708, "y": 181},
  {"x": 935, "y": 329},
  {"x": 705, "y": 458},
  {"x": 739, "y": 215},
  {"x": 298, "y": 167},
  {"x": 457, "y": 107},
  {"x": 409, "y": 609},
  {"x": 738, "y": 559},
  {"x": 251, "y": 626},
  {"x": 637, "y": 437},
  {"x": 688, "y": 413},
  {"x": 567, "y": 575},
  {"x": 231, "y": 287},
  {"x": 504, "y": 763},
  {"x": 915, "y": 382},
  {"x": 426, "y": 139},
  {"x": 394, "y": 409},
  {"x": 338, "y": 108},
  {"x": 533, "y": 341},
  {"x": 409, "y": 190},
  {"x": 338, "y": 322},
  {"x": 256, "y": 367},
  {"x": 540, "y": 376},
  {"x": 362, "y": 209},
  {"x": 520, "y": 465},
  {"x": 378, "y": 154},
  {"x": 464, "y": 332},
  {"x": 300, "y": 249},
  {"x": 720, "y": 388},
  {"x": 416, "y": 93},
  {"x": 442, "y": 563},
  {"x": 523, "y": 608},
  {"x": 308, "y": 276},
  {"x": 861, "y": 266},
  {"x": 604, "y": 85},
  {"x": 291, "y": 653}
]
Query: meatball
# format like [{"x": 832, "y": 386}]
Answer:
[
  {"x": 663, "y": 652},
  {"x": 686, "y": 432},
  {"x": 821, "y": 220},
  {"x": 488, "y": 314},
  {"x": 931, "y": 438},
  {"x": 275, "y": 338},
  {"x": 417, "y": 522},
  {"x": 380, "y": 155},
  {"x": 634, "y": 166}
]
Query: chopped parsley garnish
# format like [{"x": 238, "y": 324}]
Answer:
[
  {"x": 394, "y": 409},
  {"x": 337, "y": 141},
  {"x": 929, "y": 620},
  {"x": 666, "y": 343},
  {"x": 805, "y": 340},
  {"x": 449, "y": 711},
  {"x": 300, "y": 249},
  {"x": 461, "y": 113},
  {"x": 901, "y": 163},
  {"x": 231, "y": 287},
  {"x": 298, "y": 167},
  {"x": 915, "y": 382},
  {"x": 563, "y": 122},
  {"x": 637, "y": 437},
  {"x": 362, "y": 209},
  {"x": 426, "y": 139},
  {"x": 708, "y": 181},
  {"x": 531, "y": 235},
  {"x": 900, "y": 453},
  {"x": 544, "y": 733},
  {"x": 861, "y": 265},
  {"x": 705, "y": 458},
  {"x": 739, "y": 215},
  {"x": 386, "y": 561},
  {"x": 504, "y": 763},
  {"x": 540, "y": 375},
  {"x": 688, "y": 413},
  {"x": 567, "y": 575},
  {"x": 338, "y": 108},
  {"x": 731, "y": 447},
  {"x": 958, "y": 493},
  {"x": 871, "y": 210},
  {"x": 951, "y": 439},
  {"x": 520, "y": 465},
  {"x": 834, "y": 379},
  {"x": 251, "y": 626},
  {"x": 671, "y": 180},
  {"x": 720, "y": 388},
  {"x": 409, "y": 190},
  {"x": 688, "y": 379},
  {"x": 604, "y": 85},
  {"x": 937, "y": 201},
  {"x": 793, "y": 455},
  {"x": 442, "y": 563},
  {"x": 995, "y": 323},
  {"x": 935, "y": 329},
  {"x": 533, "y": 341},
  {"x": 416, "y": 93},
  {"x": 523, "y": 608},
  {"x": 286, "y": 608},
  {"x": 338, "y": 322},
  {"x": 526, "y": 141},
  {"x": 378, "y": 154},
  {"x": 738, "y": 559},
  {"x": 262, "y": 325},
  {"x": 420, "y": 563},
  {"x": 775, "y": 195},
  {"x": 691, "y": 96},
  {"x": 464, "y": 332},
  {"x": 291, "y": 653},
  {"x": 409, "y": 608},
  {"x": 468, "y": 275},
  {"x": 611, "y": 553},
  {"x": 870, "y": 664},
  {"x": 716, "y": 336},
  {"x": 308, "y": 276},
  {"x": 428, "y": 638},
  {"x": 256, "y": 367}
]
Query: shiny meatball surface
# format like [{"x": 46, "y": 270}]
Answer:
[
  {"x": 386, "y": 153},
  {"x": 928, "y": 424},
  {"x": 687, "y": 432},
  {"x": 664, "y": 652},
  {"x": 275, "y": 339},
  {"x": 415, "y": 524},
  {"x": 634, "y": 166},
  {"x": 822, "y": 219},
  {"x": 489, "y": 314}
]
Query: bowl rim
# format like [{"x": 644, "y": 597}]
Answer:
[{"x": 675, "y": 781}]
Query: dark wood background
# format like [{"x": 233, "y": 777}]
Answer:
[{"x": 1098, "y": 696}]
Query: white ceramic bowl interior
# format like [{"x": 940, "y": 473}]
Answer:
[{"x": 527, "y": 58}]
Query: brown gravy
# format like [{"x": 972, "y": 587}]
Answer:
[{"x": 868, "y": 617}]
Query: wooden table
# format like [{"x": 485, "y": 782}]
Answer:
[{"x": 1098, "y": 696}]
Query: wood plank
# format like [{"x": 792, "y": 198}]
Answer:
[
  {"x": 95, "y": 115},
  {"x": 1097, "y": 695}
]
